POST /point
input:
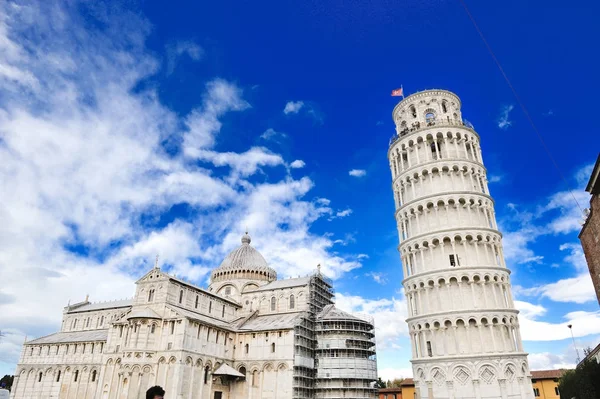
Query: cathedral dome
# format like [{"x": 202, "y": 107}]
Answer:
[{"x": 246, "y": 263}]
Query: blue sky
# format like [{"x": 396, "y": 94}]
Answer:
[{"x": 134, "y": 129}]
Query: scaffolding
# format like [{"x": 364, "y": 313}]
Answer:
[
  {"x": 305, "y": 345},
  {"x": 335, "y": 354},
  {"x": 347, "y": 357}
]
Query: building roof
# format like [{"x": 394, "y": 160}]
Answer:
[
  {"x": 407, "y": 382},
  {"x": 73, "y": 336},
  {"x": 287, "y": 283},
  {"x": 245, "y": 259},
  {"x": 593, "y": 186},
  {"x": 202, "y": 318},
  {"x": 390, "y": 390},
  {"x": 87, "y": 307},
  {"x": 546, "y": 374},
  {"x": 145, "y": 313},
  {"x": 225, "y": 369},
  {"x": 280, "y": 321},
  {"x": 330, "y": 312}
]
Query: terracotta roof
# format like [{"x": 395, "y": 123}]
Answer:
[
  {"x": 546, "y": 374},
  {"x": 390, "y": 390},
  {"x": 407, "y": 382}
]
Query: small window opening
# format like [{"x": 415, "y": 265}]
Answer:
[
  {"x": 94, "y": 376},
  {"x": 181, "y": 296},
  {"x": 196, "y": 303},
  {"x": 58, "y": 376},
  {"x": 292, "y": 302},
  {"x": 227, "y": 290},
  {"x": 273, "y": 303},
  {"x": 40, "y": 377},
  {"x": 454, "y": 261},
  {"x": 206, "y": 374},
  {"x": 429, "y": 351},
  {"x": 150, "y": 295},
  {"x": 223, "y": 311},
  {"x": 273, "y": 347},
  {"x": 247, "y": 348},
  {"x": 76, "y": 375}
]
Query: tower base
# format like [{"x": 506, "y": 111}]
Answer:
[{"x": 468, "y": 378}]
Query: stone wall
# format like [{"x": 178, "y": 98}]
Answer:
[{"x": 590, "y": 241}]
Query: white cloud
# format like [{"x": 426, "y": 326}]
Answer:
[
  {"x": 344, "y": 213},
  {"x": 271, "y": 134},
  {"x": 293, "y": 107},
  {"x": 377, "y": 277},
  {"x": 495, "y": 178},
  {"x": 503, "y": 121},
  {"x": 177, "y": 49},
  {"x": 297, "y": 164},
  {"x": 532, "y": 329},
  {"x": 93, "y": 160},
  {"x": 550, "y": 361},
  {"x": 203, "y": 124},
  {"x": 565, "y": 203},
  {"x": 389, "y": 316},
  {"x": 389, "y": 373},
  {"x": 357, "y": 172}
]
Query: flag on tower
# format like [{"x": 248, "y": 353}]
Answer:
[{"x": 398, "y": 92}]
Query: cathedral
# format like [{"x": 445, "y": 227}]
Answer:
[{"x": 249, "y": 335}]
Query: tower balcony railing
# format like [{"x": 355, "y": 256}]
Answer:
[{"x": 417, "y": 126}]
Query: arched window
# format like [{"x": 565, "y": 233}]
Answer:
[
  {"x": 273, "y": 303},
  {"x": 444, "y": 107},
  {"x": 209, "y": 307},
  {"x": 273, "y": 347},
  {"x": 152, "y": 328},
  {"x": 292, "y": 302},
  {"x": 101, "y": 321},
  {"x": 254, "y": 377},
  {"x": 223, "y": 311},
  {"x": 181, "y": 296},
  {"x": 206, "y": 369},
  {"x": 242, "y": 370},
  {"x": 430, "y": 117},
  {"x": 76, "y": 375},
  {"x": 413, "y": 111},
  {"x": 227, "y": 290},
  {"x": 151, "y": 295},
  {"x": 247, "y": 348},
  {"x": 75, "y": 324},
  {"x": 58, "y": 376},
  {"x": 40, "y": 377},
  {"x": 172, "y": 327},
  {"x": 196, "y": 304},
  {"x": 94, "y": 376}
]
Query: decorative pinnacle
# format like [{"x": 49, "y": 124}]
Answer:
[
  {"x": 246, "y": 238},
  {"x": 156, "y": 262},
  {"x": 319, "y": 268}
]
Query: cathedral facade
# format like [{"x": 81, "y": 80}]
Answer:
[{"x": 248, "y": 335}]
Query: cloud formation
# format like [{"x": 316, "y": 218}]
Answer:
[
  {"x": 293, "y": 107},
  {"x": 357, "y": 172},
  {"x": 503, "y": 120},
  {"x": 96, "y": 164},
  {"x": 297, "y": 164}
]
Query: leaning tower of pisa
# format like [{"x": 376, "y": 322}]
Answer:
[{"x": 462, "y": 320}]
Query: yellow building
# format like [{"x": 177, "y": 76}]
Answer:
[{"x": 545, "y": 383}]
